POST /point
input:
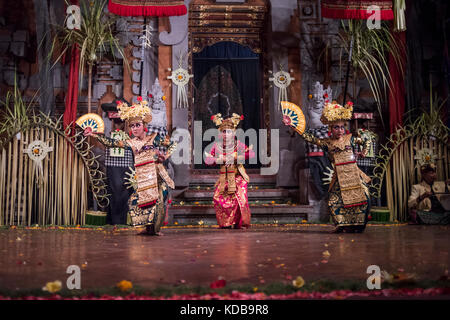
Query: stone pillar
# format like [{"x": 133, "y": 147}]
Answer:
[{"x": 177, "y": 38}]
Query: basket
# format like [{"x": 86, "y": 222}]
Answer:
[
  {"x": 380, "y": 214},
  {"x": 95, "y": 218}
]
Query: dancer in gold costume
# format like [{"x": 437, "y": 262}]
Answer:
[
  {"x": 151, "y": 182},
  {"x": 348, "y": 200}
]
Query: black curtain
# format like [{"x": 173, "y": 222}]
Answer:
[
  {"x": 242, "y": 65},
  {"x": 227, "y": 80}
]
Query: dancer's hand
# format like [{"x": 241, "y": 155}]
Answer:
[
  {"x": 88, "y": 132},
  {"x": 286, "y": 120},
  {"x": 160, "y": 157},
  {"x": 220, "y": 159},
  {"x": 359, "y": 154}
]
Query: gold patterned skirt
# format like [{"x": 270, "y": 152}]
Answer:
[
  {"x": 152, "y": 214},
  {"x": 347, "y": 216},
  {"x": 232, "y": 209}
]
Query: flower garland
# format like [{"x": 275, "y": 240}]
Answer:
[{"x": 237, "y": 295}]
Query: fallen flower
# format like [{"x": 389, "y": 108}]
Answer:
[
  {"x": 298, "y": 282},
  {"x": 124, "y": 285},
  {"x": 53, "y": 287},
  {"x": 218, "y": 284}
]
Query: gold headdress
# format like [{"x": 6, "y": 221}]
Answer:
[
  {"x": 333, "y": 112},
  {"x": 229, "y": 123},
  {"x": 137, "y": 111}
]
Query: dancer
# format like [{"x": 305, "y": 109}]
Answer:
[
  {"x": 149, "y": 200},
  {"x": 348, "y": 199},
  {"x": 230, "y": 195}
]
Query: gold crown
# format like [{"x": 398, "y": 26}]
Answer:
[
  {"x": 229, "y": 123},
  {"x": 137, "y": 111},
  {"x": 333, "y": 112}
]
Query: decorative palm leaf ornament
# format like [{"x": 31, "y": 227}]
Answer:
[
  {"x": 282, "y": 80},
  {"x": 64, "y": 177},
  {"x": 396, "y": 168},
  {"x": 293, "y": 115},
  {"x": 180, "y": 77},
  {"x": 328, "y": 175},
  {"x": 93, "y": 121}
]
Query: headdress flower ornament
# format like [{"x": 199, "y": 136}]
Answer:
[
  {"x": 425, "y": 158},
  {"x": 137, "y": 111},
  {"x": 229, "y": 123},
  {"x": 333, "y": 112}
]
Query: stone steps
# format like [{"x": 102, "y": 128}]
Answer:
[
  {"x": 210, "y": 179},
  {"x": 268, "y": 204},
  {"x": 253, "y": 194},
  {"x": 191, "y": 214}
]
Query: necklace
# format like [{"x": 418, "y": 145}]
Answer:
[{"x": 228, "y": 148}]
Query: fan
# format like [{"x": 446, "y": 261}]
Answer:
[
  {"x": 93, "y": 121},
  {"x": 293, "y": 116}
]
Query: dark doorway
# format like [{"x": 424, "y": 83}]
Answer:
[{"x": 227, "y": 80}]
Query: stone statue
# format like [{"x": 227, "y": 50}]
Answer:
[
  {"x": 318, "y": 160},
  {"x": 320, "y": 97},
  {"x": 158, "y": 106}
]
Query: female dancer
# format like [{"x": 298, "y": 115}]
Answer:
[
  {"x": 149, "y": 200},
  {"x": 348, "y": 199},
  {"x": 230, "y": 195}
]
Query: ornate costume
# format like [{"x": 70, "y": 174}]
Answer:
[
  {"x": 230, "y": 195},
  {"x": 348, "y": 200},
  {"x": 149, "y": 200}
]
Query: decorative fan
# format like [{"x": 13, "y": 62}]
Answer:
[
  {"x": 293, "y": 116},
  {"x": 93, "y": 121}
]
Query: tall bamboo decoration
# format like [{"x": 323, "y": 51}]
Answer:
[
  {"x": 94, "y": 37},
  {"x": 44, "y": 171}
]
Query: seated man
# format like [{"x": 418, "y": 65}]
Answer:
[{"x": 424, "y": 201}]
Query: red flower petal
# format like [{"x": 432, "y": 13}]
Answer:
[
  {"x": 139, "y": 98},
  {"x": 218, "y": 284},
  {"x": 242, "y": 117}
]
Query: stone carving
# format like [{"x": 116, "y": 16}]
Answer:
[
  {"x": 320, "y": 97},
  {"x": 159, "y": 118}
]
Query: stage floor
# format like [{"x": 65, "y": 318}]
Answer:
[{"x": 199, "y": 256}]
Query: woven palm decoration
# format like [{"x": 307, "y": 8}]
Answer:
[
  {"x": 93, "y": 121},
  {"x": 294, "y": 116}
]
